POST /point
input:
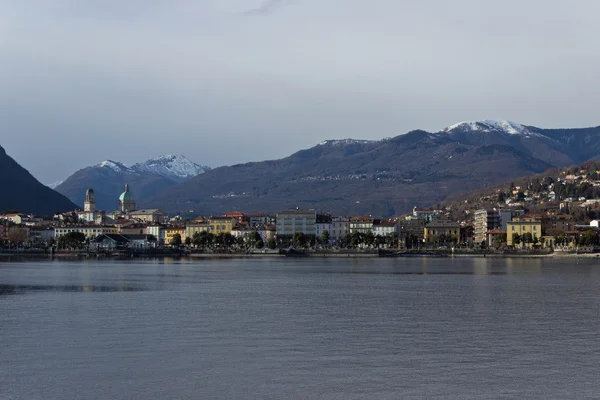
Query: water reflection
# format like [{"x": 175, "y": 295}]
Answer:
[{"x": 6, "y": 290}]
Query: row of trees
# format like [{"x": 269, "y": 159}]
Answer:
[
  {"x": 222, "y": 240},
  {"x": 526, "y": 238}
]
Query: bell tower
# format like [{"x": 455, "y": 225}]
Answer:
[{"x": 90, "y": 202}]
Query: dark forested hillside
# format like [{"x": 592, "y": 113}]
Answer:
[
  {"x": 384, "y": 177},
  {"x": 20, "y": 191}
]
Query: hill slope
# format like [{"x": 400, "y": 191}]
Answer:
[
  {"x": 22, "y": 192},
  {"x": 384, "y": 177}
]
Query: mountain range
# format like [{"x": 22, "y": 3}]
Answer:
[
  {"x": 146, "y": 179},
  {"x": 384, "y": 177},
  {"x": 23, "y": 193}
]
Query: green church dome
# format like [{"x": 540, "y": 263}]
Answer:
[{"x": 126, "y": 195}]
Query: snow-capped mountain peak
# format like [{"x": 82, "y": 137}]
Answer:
[
  {"x": 114, "y": 165},
  {"x": 176, "y": 167},
  {"x": 508, "y": 127}
]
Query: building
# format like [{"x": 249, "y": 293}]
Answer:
[
  {"x": 240, "y": 217},
  {"x": 362, "y": 224},
  {"x": 89, "y": 213},
  {"x": 14, "y": 218},
  {"x": 557, "y": 224},
  {"x": 322, "y": 224},
  {"x": 158, "y": 231},
  {"x": 441, "y": 231},
  {"x": 90, "y": 231},
  {"x": 484, "y": 221},
  {"x": 89, "y": 205},
  {"x": 126, "y": 201},
  {"x": 171, "y": 231},
  {"x": 196, "y": 227},
  {"x": 523, "y": 225},
  {"x": 267, "y": 232},
  {"x": 384, "y": 227},
  {"x": 296, "y": 221},
  {"x": 411, "y": 231},
  {"x": 506, "y": 216},
  {"x": 42, "y": 233},
  {"x": 221, "y": 224},
  {"x": 151, "y": 216},
  {"x": 133, "y": 229},
  {"x": 496, "y": 237},
  {"x": 242, "y": 231},
  {"x": 340, "y": 227},
  {"x": 118, "y": 241},
  {"x": 424, "y": 214},
  {"x": 260, "y": 219}
]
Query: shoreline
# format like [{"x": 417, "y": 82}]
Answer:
[{"x": 273, "y": 255}]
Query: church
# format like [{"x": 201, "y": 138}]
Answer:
[
  {"x": 126, "y": 209},
  {"x": 126, "y": 201}
]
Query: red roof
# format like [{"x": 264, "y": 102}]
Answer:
[{"x": 236, "y": 214}]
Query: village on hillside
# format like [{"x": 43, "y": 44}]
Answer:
[{"x": 558, "y": 211}]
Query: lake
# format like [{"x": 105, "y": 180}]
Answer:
[{"x": 410, "y": 328}]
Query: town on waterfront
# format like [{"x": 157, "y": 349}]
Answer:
[{"x": 538, "y": 217}]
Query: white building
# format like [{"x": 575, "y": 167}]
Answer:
[
  {"x": 294, "y": 221},
  {"x": 158, "y": 231},
  {"x": 384, "y": 227}
]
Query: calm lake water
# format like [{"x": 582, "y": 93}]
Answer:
[{"x": 301, "y": 329}]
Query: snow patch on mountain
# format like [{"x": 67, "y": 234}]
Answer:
[
  {"x": 176, "y": 167},
  {"x": 115, "y": 166},
  {"x": 508, "y": 127},
  {"x": 54, "y": 185},
  {"x": 345, "y": 142}
]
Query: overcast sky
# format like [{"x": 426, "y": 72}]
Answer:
[{"x": 229, "y": 81}]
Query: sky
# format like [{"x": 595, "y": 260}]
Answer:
[{"x": 230, "y": 81}]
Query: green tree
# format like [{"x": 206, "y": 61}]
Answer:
[
  {"x": 299, "y": 239},
  {"x": 527, "y": 238},
  {"x": 188, "y": 241},
  {"x": 501, "y": 197},
  {"x": 271, "y": 244},
  {"x": 369, "y": 238},
  {"x": 197, "y": 239},
  {"x": 259, "y": 244},
  {"x": 176, "y": 240},
  {"x": 392, "y": 240},
  {"x": 71, "y": 240},
  {"x": 588, "y": 238},
  {"x": 325, "y": 237},
  {"x": 252, "y": 238}
]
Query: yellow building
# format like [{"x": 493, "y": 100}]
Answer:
[
  {"x": 196, "y": 227},
  {"x": 523, "y": 225},
  {"x": 221, "y": 224},
  {"x": 436, "y": 229},
  {"x": 171, "y": 231}
]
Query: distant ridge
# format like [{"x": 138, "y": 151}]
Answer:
[{"x": 384, "y": 177}]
